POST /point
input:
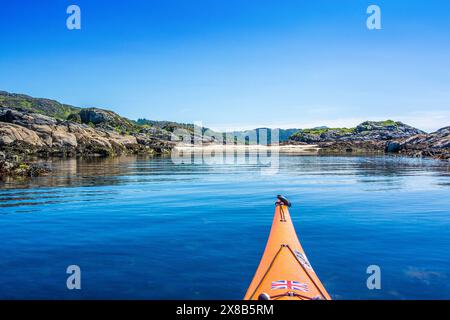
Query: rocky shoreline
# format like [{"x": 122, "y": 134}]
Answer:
[
  {"x": 26, "y": 135},
  {"x": 34, "y": 128},
  {"x": 15, "y": 166},
  {"x": 385, "y": 137}
]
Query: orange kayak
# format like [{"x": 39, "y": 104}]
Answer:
[{"x": 284, "y": 272}]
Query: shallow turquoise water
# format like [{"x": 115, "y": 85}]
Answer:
[{"x": 151, "y": 229}]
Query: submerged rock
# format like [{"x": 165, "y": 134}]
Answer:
[{"x": 23, "y": 169}]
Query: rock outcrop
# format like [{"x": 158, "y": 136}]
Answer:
[
  {"x": 23, "y": 169},
  {"x": 28, "y": 133},
  {"x": 366, "y": 131},
  {"x": 106, "y": 119},
  {"x": 436, "y": 144},
  {"x": 11, "y": 134},
  {"x": 383, "y": 137}
]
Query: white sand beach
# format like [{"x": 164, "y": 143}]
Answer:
[{"x": 302, "y": 149}]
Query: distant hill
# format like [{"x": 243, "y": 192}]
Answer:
[
  {"x": 43, "y": 106},
  {"x": 283, "y": 134}
]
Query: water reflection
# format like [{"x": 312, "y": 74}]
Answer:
[
  {"x": 113, "y": 171},
  {"x": 375, "y": 173},
  {"x": 133, "y": 222}
]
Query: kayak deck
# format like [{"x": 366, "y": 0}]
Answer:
[{"x": 284, "y": 272}]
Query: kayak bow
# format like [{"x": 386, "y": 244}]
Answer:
[{"x": 284, "y": 272}]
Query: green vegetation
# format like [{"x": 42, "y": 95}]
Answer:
[
  {"x": 74, "y": 117},
  {"x": 366, "y": 128},
  {"x": 323, "y": 130},
  {"x": 165, "y": 125},
  {"x": 23, "y": 166},
  {"x": 37, "y": 105},
  {"x": 388, "y": 123},
  {"x": 319, "y": 131}
]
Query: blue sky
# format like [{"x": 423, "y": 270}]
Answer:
[{"x": 235, "y": 64}]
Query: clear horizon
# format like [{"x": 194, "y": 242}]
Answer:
[{"x": 234, "y": 65}]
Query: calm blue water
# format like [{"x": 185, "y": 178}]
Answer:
[{"x": 150, "y": 229}]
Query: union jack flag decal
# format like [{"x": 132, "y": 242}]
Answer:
[{"x": 288, "y": 284}]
